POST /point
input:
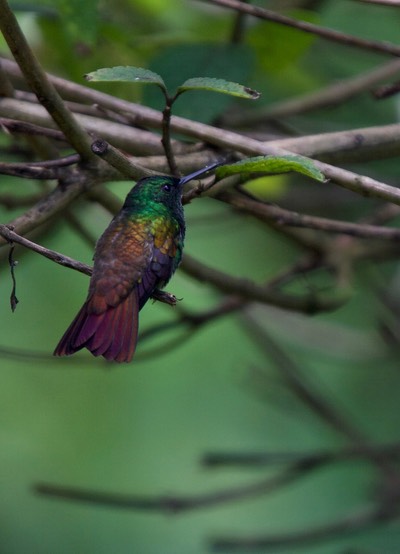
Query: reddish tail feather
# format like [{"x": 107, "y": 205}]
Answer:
[{"x": 112, "y": 333}]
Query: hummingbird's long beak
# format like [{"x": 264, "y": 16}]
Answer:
[{"x": 199, "y": 172}]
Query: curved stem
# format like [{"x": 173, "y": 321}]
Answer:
[{"x": 166, "y": 133}]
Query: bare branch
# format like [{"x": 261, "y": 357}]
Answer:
[
  {"x": 249, "y": 290},
  {"x": 393, "y": 3},
  {"x": 178, "y": 504},
  {"x": 117, "y": 160},
  {"x": 328, "y": 34},
  {"x": 386, "y": 91},
  {"x": 47, "y": 169},
  {"x": 75, "y": 182},
  {"x": 331, "y": 412},
  {"x": 127, "y": 138},
  {"x": 262, "y": 459},
  {"x": 10, "y": 236},
  {"x": 356, "y": 145},
  {"x": 6, "y": 88},
  {"x": 363, "y": 519},
  {"x": 15, "y": 126},
  {"x": 40, "y": 84},
  {"x": 366, "y": 186},
  {"x": 330, "y": 96},
  {"x": 280, "y": 216}
]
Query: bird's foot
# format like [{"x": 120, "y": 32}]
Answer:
[{"x": 165, "y": 297}]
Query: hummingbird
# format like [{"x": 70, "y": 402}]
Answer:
[{"x": 134, "y": 259}]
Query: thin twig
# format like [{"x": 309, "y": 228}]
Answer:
[
  {"x": 193, "y": 321},
  {"x": 239, "y": 25},
  {"x": 46, "y": 169},
  {"x": 329, "y": 34},
  {"x": 281, "y": 216},
  {"x": 27, "y": 171},
  {"x": 386, "y": 91},
  {"x": 15, "y": 126},
  {"x": 330, "y": 412},
  {"x": 297, "y": 381},
  {"x": 355, "y": 145},
  {"x": 350, "y": 524},
  {"x": 166, "y": 134},
  {"x": 247, "y": 460},
  {"x": 10, "y": 236},
  {"x": 245, "y": 288},
  {"x": 332, "y": 95},
  {"x": 178, "y": 504},
  {"x": 74, "y": 182}
]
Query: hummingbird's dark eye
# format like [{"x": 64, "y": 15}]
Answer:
[{"x": 167, "y": 188}]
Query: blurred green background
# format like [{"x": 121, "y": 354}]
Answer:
[{"x": 144, "y": 428}]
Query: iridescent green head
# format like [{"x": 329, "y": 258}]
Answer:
[
  {"x": 155, "y": 189},
  {"x": 161, "y": 189}
]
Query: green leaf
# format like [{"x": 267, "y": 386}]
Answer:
[
  {"x": 219, "y": 85},
  {"x": 272, "y": 164},
  {"x": 128, "y": 74},
  {"x": 177, "y": 63}
]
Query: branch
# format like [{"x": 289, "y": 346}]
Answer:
[
  {"x": 353, "y": 523},
  {"x": 244, "y": 288},
  {"x": 6, "y": 88},
  {"x": 356, "y": 145},
  {"x": 193, "y": 321},
  {"x": 177, "y": 504},
  {"x": 75, "y": 182},
  {"x": 166, "y": 134},
  {"x": 360, "y": 184},
  {"x": 47, "y": 169},
  {"x": 227, "y": 283},
  {"x": 330, "y": 412},
  {"x": 393, "y": 3},
  {"x": 117, "y": 160},
  {"x": 15, "y": 126},
  {"x": 10, "y": 236},
  {"x": 280, "y": 216},
  {"x": 123, "y": 136},
  {"x": 239, "y": 27},
  {"x": 298, "y": 382},
  {"x": 40, "y": 84},
  {"x": 328, "y": 34},
  {"x": 385, "y": 91},
  {"x": 262, "y": 459},
  {"x": 27, "y": 171},
  {"x": 330, "y": 96}
]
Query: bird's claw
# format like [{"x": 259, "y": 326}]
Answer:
[{"x": 165, "y": 297}]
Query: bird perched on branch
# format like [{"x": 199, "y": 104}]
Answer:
[{"x": 134, "y": 258}]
